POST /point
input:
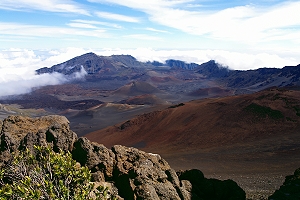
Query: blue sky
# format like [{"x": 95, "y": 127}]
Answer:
[
  {"x": 241, "y": 34},
  {"x": 158, "y": 24}
]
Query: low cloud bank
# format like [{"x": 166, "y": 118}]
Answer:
[
  {"x": 23, "y": 85},
  {"x": 17, "y": 66},
  {"x": 17, "y": 70}
]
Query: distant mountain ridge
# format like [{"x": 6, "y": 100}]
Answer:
[
  {"x": 94, "y": 64},
  {"x": 126, "y": 67}
]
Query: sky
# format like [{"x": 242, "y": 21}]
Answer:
[{"x": 242, "y": 35}]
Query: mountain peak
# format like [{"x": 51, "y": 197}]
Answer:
[{"x": 212, "y": 69}]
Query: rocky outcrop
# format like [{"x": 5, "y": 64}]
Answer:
[
  {"x": 18, "y": 133},
  {"x": 128, "y": 172},
  {"x": 290, "y": 189}
]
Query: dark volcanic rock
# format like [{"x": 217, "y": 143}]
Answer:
[
  {"x": 180, "y": 64},
  {"x": 203, "y": 188},
  {"x": 19, "y": 132},
  {"x": 128, "y": 172},
  {"x": 96, "y": 157},
  {"x": 290, "y": 190},
  {"x": 213, "y": 69},
  {"x": 141, "y": 175}
]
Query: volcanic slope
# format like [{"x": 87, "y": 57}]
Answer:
[
  {"x": 262, "y": 127},
  {"x": 252, "y": 139},
  {"x": 137, "y": 88}
]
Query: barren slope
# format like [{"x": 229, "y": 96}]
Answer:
[
  {"x": 210, "y": 122},
  {"x": 252, "y": 139}
]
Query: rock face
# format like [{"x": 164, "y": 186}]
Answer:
[
  {"x": 129, "y": 172},
  {"x": 19, "y": 132}
]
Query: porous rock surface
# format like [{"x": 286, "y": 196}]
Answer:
[{"x": 128, "y": 172}]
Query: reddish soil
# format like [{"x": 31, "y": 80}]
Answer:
[
  {"x": 246, "y": 138},
  {"x": 209, "y": 123}
]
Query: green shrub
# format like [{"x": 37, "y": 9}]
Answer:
[{"x": 45, "y": 174}]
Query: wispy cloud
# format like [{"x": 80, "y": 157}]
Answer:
[
  {"x": 82, "y": 25},
  {"x": 248, "y": 24},
  {"x": 48, "y": 31},
  {"x": 145, "y": 5},
  {"x": 92, "y": 22},
  {"x": 117, "y": 17},
  {"x": 142, "y": 37},
  {"x": 156, "y": 30},
  {"x": 61, "y": 6}
]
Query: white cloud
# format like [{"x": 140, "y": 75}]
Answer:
[
  {"x": 145, "y": 5},
  {"x": 117, "y": 17},
  {"x": 92, "y": 22},
  {"x": 156, "y": 30},
  {"x": 64, "y": 6},
  {"x": 142, "y": 37},
  {"x": 82, "y": 25},
  {"x": 17, "y": 69},
  {"x": 30, "y": 60},
  {"x": 249, "y": 24},
  {"x": 24, "y": 83}
]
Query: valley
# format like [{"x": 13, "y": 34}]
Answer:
[{"x": 242, "y": 125}]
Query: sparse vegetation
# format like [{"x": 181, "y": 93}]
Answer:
[
  {"x": 44, "y": 174},
  {"x": 264, "y": 111}
]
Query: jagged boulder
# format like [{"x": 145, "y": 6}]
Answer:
[
  {"x": 96, "y": 157},
  {"x": 290, "y": 190},
  {"x": 141, "y": 175},
  {"x": 18, "y": 133},
  {"x": 128, "y": 172}
]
